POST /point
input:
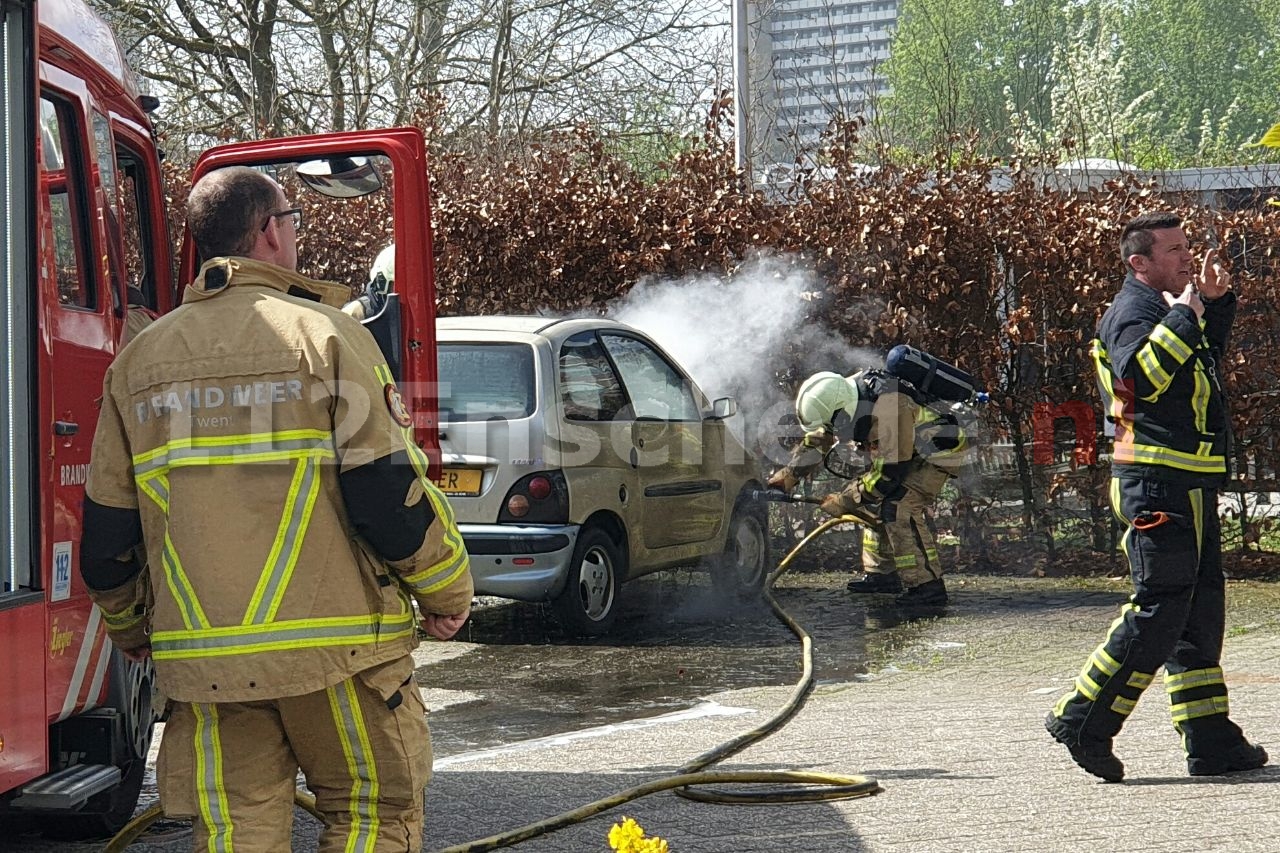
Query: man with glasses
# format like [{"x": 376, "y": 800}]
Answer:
[{"x": 255, "y": 442}]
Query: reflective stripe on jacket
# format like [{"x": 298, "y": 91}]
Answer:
[
  {"x": 227, "y": 426},
  {"x": 1157, "y": 374}
]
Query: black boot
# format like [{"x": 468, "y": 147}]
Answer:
[
  {"x": 875, "y": 582},
  {"x": 1242, "y": 756},
  {"x": 1096, "y": 758},
  {"x": 930, "y": 594}
]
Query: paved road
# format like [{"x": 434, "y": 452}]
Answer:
[{"x": 948, "y": 721}]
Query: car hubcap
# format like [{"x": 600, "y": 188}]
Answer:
[{"x": 595, "y": 585}]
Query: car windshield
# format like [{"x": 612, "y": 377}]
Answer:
[{"x": 479, "y": 382}]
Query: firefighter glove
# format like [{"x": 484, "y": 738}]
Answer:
[{"x": 784, "y": 480}]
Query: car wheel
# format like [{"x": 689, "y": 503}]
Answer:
[
  {"x": 742, "y": 568},
  {"x": 588, "y": 604}
]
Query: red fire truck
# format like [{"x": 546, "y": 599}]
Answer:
[{"x": 85, "y": 241}]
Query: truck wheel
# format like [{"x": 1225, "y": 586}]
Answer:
[
  {"x": 587, "y": 607},
  {"x": 106, "y": 814},
  {"x": 743, "y": 566}
]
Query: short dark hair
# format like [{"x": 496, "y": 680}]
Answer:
[
  {"x": 1137, "y": 239},
  {"x": 226, "y": 209}
]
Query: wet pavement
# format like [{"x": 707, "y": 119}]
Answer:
[{"x": 944, "y": 710}]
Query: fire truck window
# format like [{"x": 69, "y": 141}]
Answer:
[
  {"x": 134, "y": 188},
  {"x": 589, "y": 389},
  {"x": 657, "y": 389},
  {"x": 62, "y": 182}
]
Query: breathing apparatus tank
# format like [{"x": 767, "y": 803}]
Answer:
[{"x": 933, "y": 378}]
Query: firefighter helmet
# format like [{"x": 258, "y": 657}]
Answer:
[
  {"x": 822, "y": 396},
  {"x": 382, "y": 275}
]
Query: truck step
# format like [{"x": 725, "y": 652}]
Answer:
[{"x": 68, "y": 788}]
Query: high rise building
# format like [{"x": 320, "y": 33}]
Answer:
[{"x": 811, "y": 61}]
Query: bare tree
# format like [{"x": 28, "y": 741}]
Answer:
[{"x": 247, "y": 68}]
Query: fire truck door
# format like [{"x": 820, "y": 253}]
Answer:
[
  {"x": 353, "y": 165},
  {"x": 79, "y": 317}
]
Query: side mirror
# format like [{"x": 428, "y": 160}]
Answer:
[
  {"x": 724, "y": 407},
  {"x": 340, "y": 177}
]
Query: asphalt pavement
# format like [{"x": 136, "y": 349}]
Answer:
[{"x": 948, "y": 719}]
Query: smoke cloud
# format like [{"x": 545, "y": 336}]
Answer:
[{"x": 735, "y": 334}]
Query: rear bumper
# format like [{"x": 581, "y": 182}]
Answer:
[{"x": 545, "y": 553}]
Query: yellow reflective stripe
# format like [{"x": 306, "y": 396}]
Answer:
[
  {"x": 1183, "y": 711},
  {"x": 293, "y": 634},
  {"x": 1104, "y": 661},
  {"x": 1150, "y": 454},
  {"x": 440, "y": 575},
  {"x": 1197, "y": 517},
  {"x": 1140, "y": 680},
  {"x": 869, "y": 538},
  {"x": 905, "y": 561},
  {"x": 291, "y": 435},
  {"x": 357, "y": 753},
  {"x": 1200, "y": 399},
  {"x": 294, "y": 520},
  {"x": 1087, "y": 687},
  {"x": 1106, "y": 379},
  {"x": 123, "y": 619},
  {"x": 1115, "y": 504},
  {"x": 1123, "y": 706},
  {"x": 1193, "y": 678},
  {"x": 184, "y": 595},
  {"x": 156, "y": 487},
  {"x": 1159, "y": 378},
  {"x": 211, "y": 791},
  {"x": 931, "y": 554},
  {"x": 1174, "y": 345}
]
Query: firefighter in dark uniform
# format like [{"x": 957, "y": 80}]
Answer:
[{"x": 1156, "y": 354}]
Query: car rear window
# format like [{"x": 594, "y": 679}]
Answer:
[{"x": 483, "y": 381}]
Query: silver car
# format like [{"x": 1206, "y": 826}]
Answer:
[{"x": 577, "y": 455}]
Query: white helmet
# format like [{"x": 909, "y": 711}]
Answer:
[
  {"x": 821, "y": 396},
  {"x": 384, "y": 266}
]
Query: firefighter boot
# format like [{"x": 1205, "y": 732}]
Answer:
[
  {"x": 1242, "y": 756},
  {"x": 929, "y": 594},
  {"x": 875, "y": 582},
  {"x": 1095, "y": 758}
]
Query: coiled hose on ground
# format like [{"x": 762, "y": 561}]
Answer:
[{"x": 689, "y": 781}]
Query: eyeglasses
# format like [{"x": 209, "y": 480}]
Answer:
[{"x": 295, "y": 212}]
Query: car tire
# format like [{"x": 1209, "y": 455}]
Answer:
[
  {"x": 741, "y": 569},
  {"x": 588, "y": 604}
]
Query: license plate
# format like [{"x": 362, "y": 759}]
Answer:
[{"x": 459, "y": 481}]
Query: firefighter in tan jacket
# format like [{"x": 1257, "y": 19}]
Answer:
[
  {"x": 914, "y": 452},
  {"x": 254, "y": 441}
]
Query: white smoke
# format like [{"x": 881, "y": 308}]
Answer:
[{"x": 732, "y": 334}]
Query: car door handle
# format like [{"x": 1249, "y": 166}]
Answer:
[
  {"x": 65, "y": 428},
  {"x": 635, "y": 458}
]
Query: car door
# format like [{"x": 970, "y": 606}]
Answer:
[
  {"x": 681, "y": 491},
  {"x": 399, "y": 154}
]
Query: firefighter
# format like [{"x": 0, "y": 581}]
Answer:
[
  {"x": 382, "y": 280},
  {"x": 137, "y": 316},
  {"x": 911, "y": 448},
  {"x": 254, "y": 439},
  {"x": 1156, "y": 354}
]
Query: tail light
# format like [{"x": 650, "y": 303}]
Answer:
[{"x": 541, "y": 498}]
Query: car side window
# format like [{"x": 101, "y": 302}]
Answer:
[
  {"x": 657, "y": 390},
  {"x": 589, "y": 389}
]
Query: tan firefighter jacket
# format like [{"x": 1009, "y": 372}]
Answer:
[{"x": 227, "y": 426}]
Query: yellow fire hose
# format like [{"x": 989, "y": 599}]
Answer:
[{"x": 688, "y": 779}]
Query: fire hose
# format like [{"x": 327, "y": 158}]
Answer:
[{"x": 689, "y": 780}]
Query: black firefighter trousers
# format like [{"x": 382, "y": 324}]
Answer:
[{"x": 1175, "y": 617}]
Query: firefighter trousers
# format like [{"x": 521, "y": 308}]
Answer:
[
  {"x": 906, "y": 545},
  {"x": 365, "y": 754},
  {"x": 1174, "y": 618}
]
